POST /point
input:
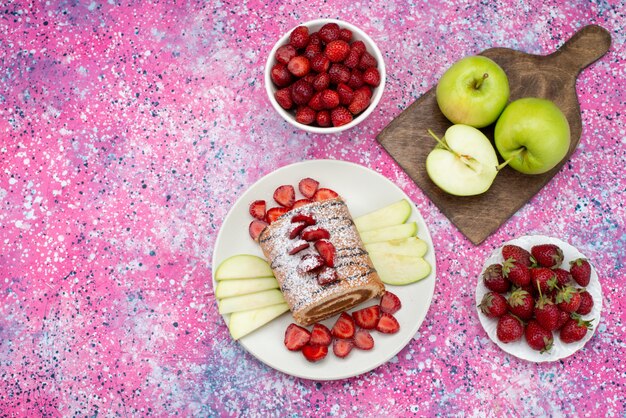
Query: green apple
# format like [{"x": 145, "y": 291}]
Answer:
[
  {"x": 464, "y": 163},
  {"x": 473, "y": 91},
  {"x": 250, "y": 301},
  {"x": 389, "y": 233},
  {"x": 397, "y": 269},
  {"x": 244, "y": 322},
  {"x": 532, "y": 135},
  {"x": 393, "y": 214},
  {"x": 243, "y": 266}
]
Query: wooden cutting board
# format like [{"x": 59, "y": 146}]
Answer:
[{"x": 552, "y": 77}]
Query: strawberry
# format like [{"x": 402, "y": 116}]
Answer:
[
  {"x": 371, "y": 76},
  {"x": 342, "y": 347},
  {"x": 363, "y": 340},
  {"x": 309, "y": 263},
  {"x": 563, "y": 317},
  {"x": 562, "y": 276},
  {"x": 353, "y": 58},
  {"x": 299, "y": 37},
  {"x": 298, "y": 246},
  {"x": 255, "y": 228},
  {"x": 344, "y": 327},
  {"x": 493, "y": 305},
  {"x": 309, "y": 78},
  {"x": 305, "y": 115},
  {"x": 285, "y": 195},
  {"x": 296, "y": 229},
  {"x": 387, "y": 324},
  {"x": 314, "y": 39},
  {"x": 314, "y": 353},
  {"x": 537, "y": 337},
  {"x": 321, "y": 82},
  {"x": 285, "y": 53},
  {"x": 339, "y": 73},
  {"x": 586, "y": 303},
  {"x": 296, "y": 337},
  {"x": 274, "y": 213},
  {"x": 390, "y": 303},
  {"x": 356, "y": 79},
  {"x": 327, "y": 275},
  {"x": 574, "y": 329},
  {"x": 320, "y": 64},
  {"x": 515, "y": 272},
  {"x": 302, "y": 92},
  {"x": 330, "y": 99},
  {"x": 581, "y": 271},
  {"x": 257, "y": 209},
  {"x": 316, "y": 102},
  {"x": 324, "y": 194},
  {"x": 517, "y": 253},
  {"x": 329, "y": 32},
  {"x": 337, "y": 50},
  {"x": 367, "y": 61},
  {"x": 547, "y": 255},
  {"x": 340, "y": 116},
  {"x": 568, "y": 299},
  {"x": 280, "y": 75},
  {"x": 367, "y": 318},
  {"x": 311, "y": 51},
  {"x": 521, "y": 304},
  {"x": 323, "y": 118},
  {"x": 494, "y": 280},
  {"x": 303, "y": 217},
  {"x": 547, "y": 313},
  {"x": 509, "y": 328},
  {"x": 308, "y": 186},
  {"x": 345, "y": 34},
  {"x": 327, "y": 250},
  {"x": 320, "y": 335},
  {"x": 360, "y": 101},
  {"x": 543, "y": 279},
  {"x": 283, "y": 97},
  {"x": 314, "y": 234},
  {"x": 345, "y": 94},
  {"x": 301, "y": 202},
  {"x": 359, "y": 46}
]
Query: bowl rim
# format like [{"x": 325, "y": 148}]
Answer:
[{"x": 371, "y": 48}]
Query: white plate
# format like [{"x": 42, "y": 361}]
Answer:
[
  {"x": 363, "y": 191},
  {"x": 520, "y": 348}
]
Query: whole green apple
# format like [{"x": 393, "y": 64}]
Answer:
[
  {"x": 473, "y": 91},
  {"x": 533, "y": 135}
]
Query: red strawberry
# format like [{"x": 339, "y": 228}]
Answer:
[
  {"x": 367, "y": 61},
  {"x": 302, "y": 92},
  {"x": 544, "y": 279},
  {"x": 586, "y": 303},
  {"x": 314, "y": 234},
  {"x": 367, "y": 318},
  {"x": 295, "y": 229},
  {"x": 303, "y": 217},
  {"x": 371, "y": 76},
  {"x": 301, "y": 202},
  {"x": 296, "y": 337},
  {"x": 521, "y": 304},
  {"x": 309, "y": 263},
  {"x": 311, "y": 51},
  {"x": 563, "y": 317},
  {"x": 321, "y": 82},
  {"x": 320, "y": 64},
  {"x": 320, "y": 335},
  {"x": 342, "y": 347},
  {"x": 387, "y": 324},
  {"x": 516, "y": 273},
  {"x": 509, "y": 328},
  {"x": 324, "y": 194},
  {"x": 353, "y": 58},
  {"x": 517, "y": 253},
  {"x": 360, "y": 101},
  {"x": 568, "y": 299},
  {"x": 314, "y": 353},
  {"x": 537, "y": 337},
  {"x": 255, "y": 228},
  {"x": 345, "y": 34},
  {"x": 327, "y": 275},
  {"x": 494, "y": 280},
  {"x": 337, "y": 50},
  {"x": 280, "y": 75},
  {"x": 390, "y": 303},
  {"x": 581, "y": 271},
  {"x": 299, "y": 37},
  {"x": 547, "y": 313},
  {"x": 363, "y": 340},
  {"x": 285, "y": 53},
  {"x": 316, "y": 102},
  {"x": 547, "y": 255},
  {"x": 305, "y": 115},
  {"x": 285, "y": 195},
  {"x": 257, "y": 209},
  {"x": 308, "y": 186},
  {"x": 493, "y": 305},
  {"x": 344, "y": 327},
  {"x": 297, "y": 247},
  {"x": 309, "y": 78},
  {"x": 329, "y": 32},
  {"x": 274, "y": 213},
  {"x": 356, "y": 79},
  {"x": 339, "y": 73},
  {"x": 562, "y": 276},
  {"x": 314, "y": 39},
  {"x": 359, "y": 46},
  {"x": 574, "y": 329},
  {"x": 327, "y": 250},
  {"x": 345, "y": 94},
  {"x": 340, "y": 116},
  {"x": 323, "y": 118},
  {"x": 283, "y": 97},
  {"x": 330, "y": 99}
]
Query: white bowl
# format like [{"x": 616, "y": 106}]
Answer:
[{"x": 314, "y": 26}]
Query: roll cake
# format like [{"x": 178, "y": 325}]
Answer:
[{"x": 319, "y": 260}]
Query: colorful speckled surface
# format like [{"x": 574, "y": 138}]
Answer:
[{"x": 128, "y": 130}]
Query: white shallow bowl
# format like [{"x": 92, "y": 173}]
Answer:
[{"x": 357, "y": 35}]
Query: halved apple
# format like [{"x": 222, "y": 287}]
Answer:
[
  {"x": 389, "y": 233},
  {"x": 244, "y": 322},
  {"x": 250, "y": 301},
  {"x": 230, "y": 288},
  {"x": 396, "y": 269},
  {"x": 412, "y": 246},
  {"x": 243, "y": 266},
  {"x": 394, "y": 214}
]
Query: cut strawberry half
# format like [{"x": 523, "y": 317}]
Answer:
[
  {"x": 296, "y": 337},
  {"x": 367, "y": 318},
  {"x": 327, "y": 250},
  {"x": 314, "y": 234},
  {"x": 296, "y": 229},
  {"x": 324, "y": 194},
  {"x": 298, "y": 246},
  {"x": 301, "y": 202},
  {"x": 387, "y": 324},
  {"x": 326, "y": 276},
  {"x": 363, "y": 339},
  {"x": 308, "y": 187},
  {"x": 257, "y": 209},
  {"x": 390, "y": 303},
  {"x": 275, "y": 213},
  {"x": 320, "y": 335},
  {"x": 344, "y": 327},
  {"x": 342, "y": 347},
  {"x": 303, "y": 217},
  {"x": 314, "y": 353},
  {"x": 310, "y": 262},
  {"x": 285, "y": 195},
  {"x": 255, "y": 228}
]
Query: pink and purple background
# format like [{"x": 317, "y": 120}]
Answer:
[{"x": 128, "y": 129}]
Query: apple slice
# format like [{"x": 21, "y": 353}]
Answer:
[
  {"x": 412, "y": 246},
  {"x": 250, "y": 301},
  {"x": 389, "y": 233},
  {"x": 394, "y": 214},
  {"x": 230, "y": 288},
  {"x": 243, "y": 266},
  {"x": 242, "y": 323},
  {"x": 396, "y": 269}
]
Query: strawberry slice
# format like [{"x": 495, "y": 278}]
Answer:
[
  {"x": 367, "y": 318},
  {"x": 310, "y": 262},
  {"x": 324, "y": 194},
  {"x": 387, "y": 324},
  {"x": 308, "y": 187},
  {"x": 275, "y": 213},
  {"x": 314, "y": 234},
  {"x": 320, "y": 335},
  {"x": 285, "y": 195},
  {"x": 363, "y": 339},
  {"x": 303, "y": 217},
  {"x": 296, "y": 337},
  {"x": 327, "y": 250},
  {"x": 301, "y": 202},
  {"x": 296, "y": 229},
  {"x": 342, "y": 347},
  {"x": 257, "y": 209},
  {"x": 326, "y": 276},
  {"x": 314, "y": 353},
  {"x": 255, "y": 228},
  {"x": 298, "y": 246},
  {"x": 344, "y": 327},
  {"x": 390, "y": 303}
]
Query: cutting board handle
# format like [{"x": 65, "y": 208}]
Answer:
[{"x": 583, "y": 48}]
